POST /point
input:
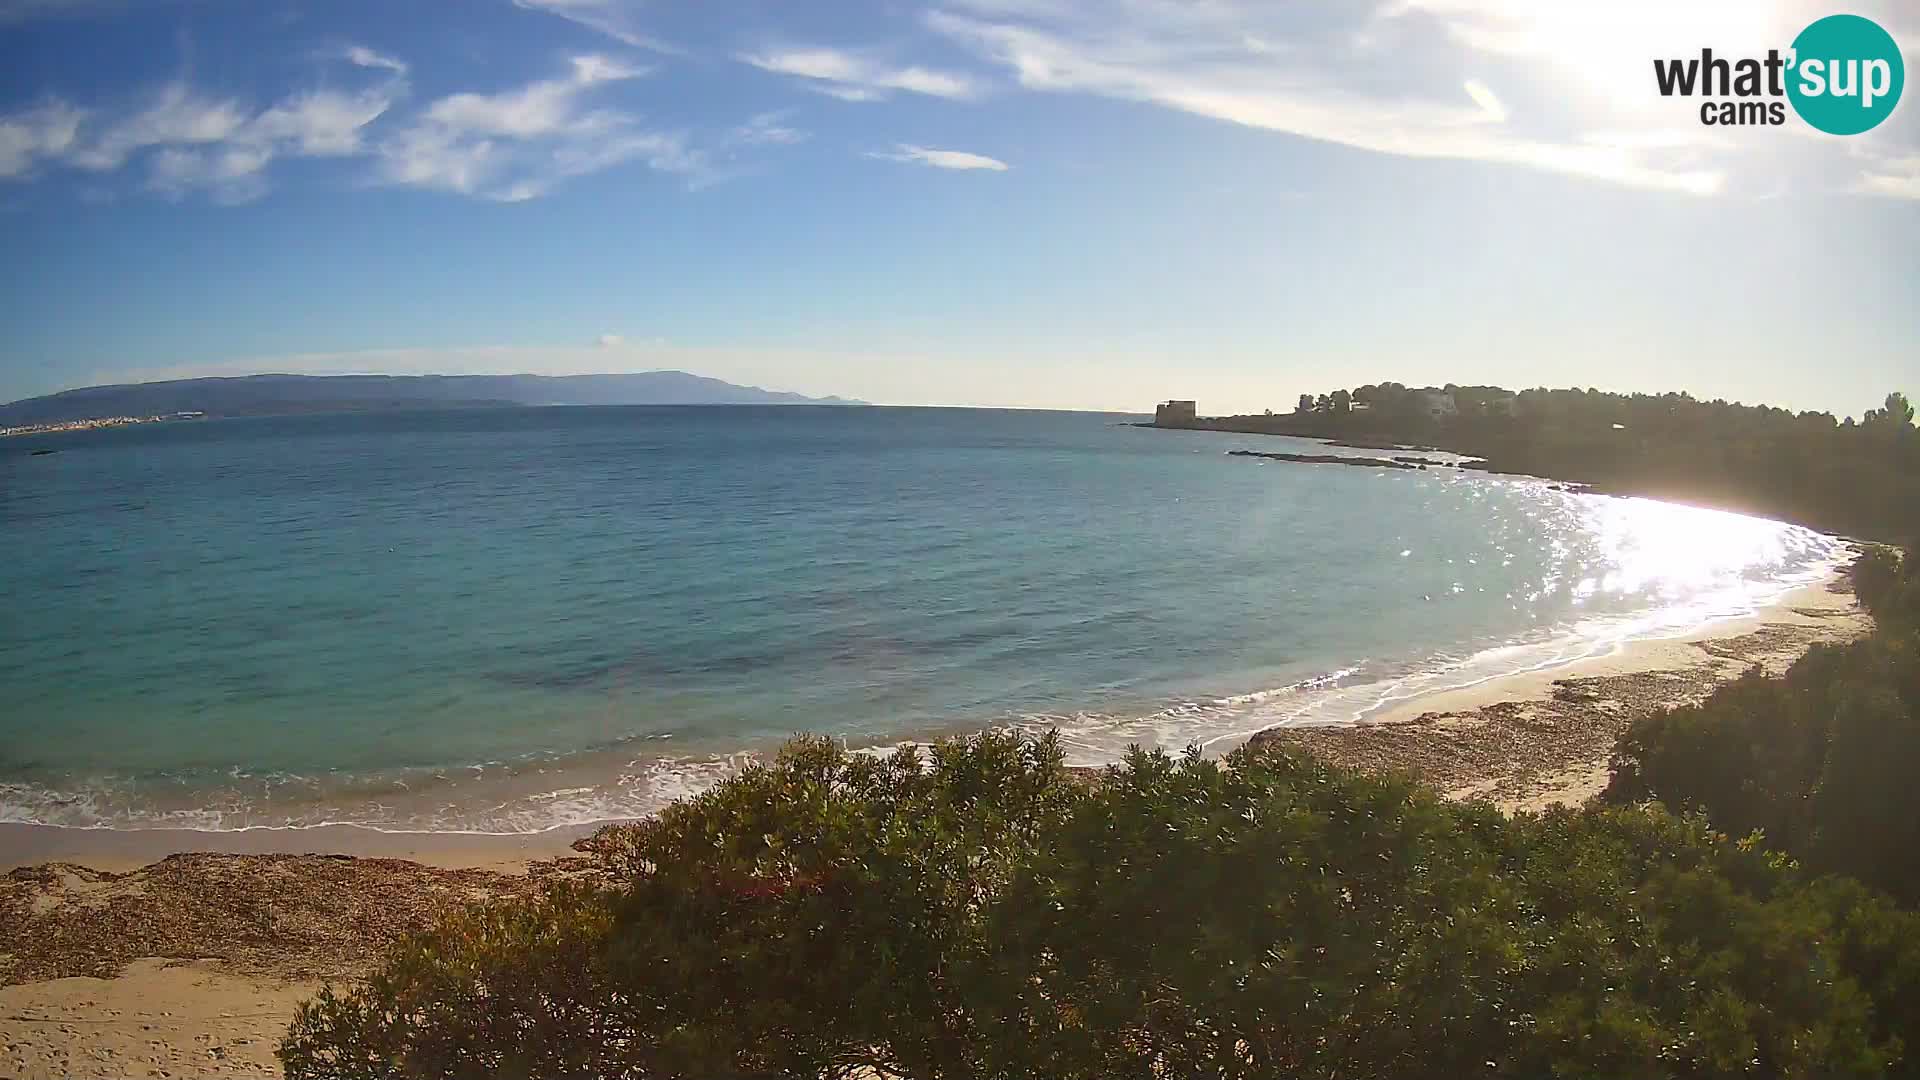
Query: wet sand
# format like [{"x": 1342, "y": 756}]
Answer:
[{"x": 120, "y": 958}]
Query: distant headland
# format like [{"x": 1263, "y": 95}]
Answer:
[
  {"x": 1859, "y": 478},
  {"x": 269, "y": 395}
]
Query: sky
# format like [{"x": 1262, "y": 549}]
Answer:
[{"x": 1087, "y": 204}]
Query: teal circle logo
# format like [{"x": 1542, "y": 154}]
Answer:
[{"x": 1846, "y": 75}]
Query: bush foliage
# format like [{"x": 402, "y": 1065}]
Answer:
[
  {"x": 1818, "y": 762},
  {"x": 981, "y": 911}
]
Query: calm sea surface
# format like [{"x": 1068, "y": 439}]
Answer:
[{"x": 508, "y": 620}]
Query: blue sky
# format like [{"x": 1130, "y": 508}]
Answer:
[{"x": 1058, "y": 203}]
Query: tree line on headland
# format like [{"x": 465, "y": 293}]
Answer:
[
  {"x": 1860, "y": 478},
  {"x": 1744, "y": 900}
]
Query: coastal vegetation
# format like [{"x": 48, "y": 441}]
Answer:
[
  {"x": 979, "y": 910},
  {"x": 1860, "y": 478},
  {"x": 1819, "y": 763}
]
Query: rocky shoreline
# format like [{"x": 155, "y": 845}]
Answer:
[
  {"x": 1405, "y": 461},
  {"x": 1544, "y": 740},
  {"x": 1337, "y": 459}
]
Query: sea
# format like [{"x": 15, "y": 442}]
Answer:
[{"x": 510, "y": 620}]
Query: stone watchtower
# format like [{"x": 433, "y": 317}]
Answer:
[{"x": 1173, "y": 414}]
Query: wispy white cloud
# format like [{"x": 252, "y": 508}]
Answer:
[
  {"x": 844, "y": 92},
  {"x": 767, "y": 129},
  {"x": 511, "y": 144},
  {"x": 851, "y": 76},
  {"x": 940, "y": 159},
  {"x": 547, "y": 107},
  {"x": 323, "y": 123},
  {"x": 28, "y": 137},
  {"x": 1895, "y": 177},
  {"x": 368, "y": 58},
  {"x": 618, "y": 19},
  {"x": 177, "y": 116},
  {"x": 518, "y": 144},
  {"x": 1194, "y": 58},
  {"x": 215, "y": 145},
  {"x": 1488, "y": 103},
  {"x": 230, "y": 175},
  {"x": 192, "y": 140}
]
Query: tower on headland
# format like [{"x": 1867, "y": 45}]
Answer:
[{"x": 1174, "y": 414}]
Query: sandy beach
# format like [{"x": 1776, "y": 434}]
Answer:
[
  {"x": 1534, "y": 739},
  {"x": 194, "y": 965},
  {"x": 174, "y": 953},
  {"x": 122, "y": 850}
]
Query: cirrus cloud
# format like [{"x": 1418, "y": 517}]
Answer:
[
  {"x": 1196, "y": 60},
  {"x": 191, "y": 140},
  {"x": 42, "y": 132},
  {"x": 518, "y": 144},
  {"x": 940, "y": 159},
  {"x": 362, "y": 56},
  {"x": 850, "y": 76},
  {"x": 618, "y": 19}
]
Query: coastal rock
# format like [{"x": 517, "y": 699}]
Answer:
[
  {"x": 1327, "y": 459},
  {"x": 1378, "y": 444}
]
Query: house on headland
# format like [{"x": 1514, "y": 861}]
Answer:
[{"x": 1174, "y": 414}]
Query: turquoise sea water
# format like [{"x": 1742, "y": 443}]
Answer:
[{"x": 505, "y": 620}]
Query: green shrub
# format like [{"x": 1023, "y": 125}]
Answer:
[
  {"x": 1818, "y": 761},
  {"x": 1878, "y": 579},
  {"x": 977, "y": 911},
  {"x": 499, "y": 990},
  {"x": 1888, "y": 585}
]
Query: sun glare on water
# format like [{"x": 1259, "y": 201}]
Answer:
[{"x": 1685, "y": 551}]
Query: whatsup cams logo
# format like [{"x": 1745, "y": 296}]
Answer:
[{"x": 1843, "y": 75}]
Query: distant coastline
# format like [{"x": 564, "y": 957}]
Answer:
[
  {"x": 94, "y": 423},
  {"x": 279, "y": 395}
]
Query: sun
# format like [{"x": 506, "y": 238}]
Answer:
[{"x": 1604, "y": 53}]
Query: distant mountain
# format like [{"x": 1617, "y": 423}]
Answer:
[{"x": 264, "y": 395}]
